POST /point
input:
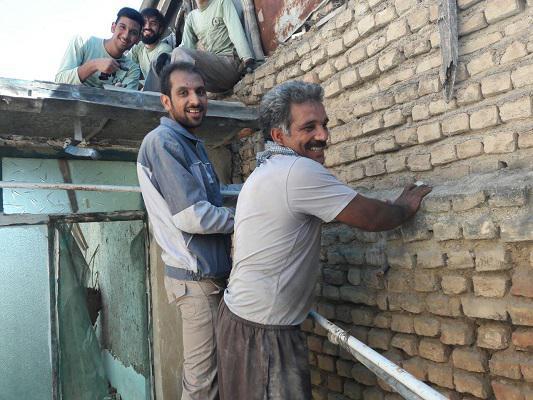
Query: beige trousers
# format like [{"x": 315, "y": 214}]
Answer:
[{"x": 198, "y": 303}]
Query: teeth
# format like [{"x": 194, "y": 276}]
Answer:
[{"x": 316, "y": 148}]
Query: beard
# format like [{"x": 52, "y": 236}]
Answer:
[{"x": 150, "y": 39}]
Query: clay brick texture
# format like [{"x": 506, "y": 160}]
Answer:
[{"x": 449, "y": 295}]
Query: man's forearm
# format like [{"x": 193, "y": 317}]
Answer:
[
  {"x": 86, "y": 70},
  {"x": 204, "y": 218}
]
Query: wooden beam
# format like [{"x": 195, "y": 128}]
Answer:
[
  {"x": 40, "y": 219},
  {"x": 449, "y": 44}
]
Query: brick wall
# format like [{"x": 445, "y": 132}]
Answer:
[{"x": 449, "y": 296}]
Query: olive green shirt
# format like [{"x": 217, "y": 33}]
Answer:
[{"x": 144, "y": 56}]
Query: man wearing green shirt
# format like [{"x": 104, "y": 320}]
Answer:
[
  {"x": 215, "y": 28},
  {"x": 96, "y": 62},
  {"x": 151, "y": 46}
]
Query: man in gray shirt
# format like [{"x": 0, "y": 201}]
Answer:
[
  {"x": 261, "y": 351},
  {"x": 182, "y": 196}
]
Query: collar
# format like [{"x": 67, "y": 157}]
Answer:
[{"x": 177, "y": 128}]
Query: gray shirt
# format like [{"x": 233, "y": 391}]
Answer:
[
  {"x": 277, "y": 238},
  {"x": 181, "y": 193}
]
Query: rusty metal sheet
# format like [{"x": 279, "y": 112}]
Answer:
[{"x": 279, "y": 19}]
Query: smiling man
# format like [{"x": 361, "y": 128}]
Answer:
[
  {"x": 151, "y": 46},
  {"x": 96, "y": 62},
  {"x": 262, "y": 353},
  {"x": 181, "y": 193}
]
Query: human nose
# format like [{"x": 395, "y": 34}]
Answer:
[{"x": 322, "y": 133}]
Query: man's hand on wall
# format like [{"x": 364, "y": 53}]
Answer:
[{"x": 411, "y": 198}]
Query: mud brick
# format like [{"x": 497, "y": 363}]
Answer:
[
  {"x": 463, "y": 202},
  {"x": 353, "y": 390},
  {"x": 433, "y": 349},
  {"x": 411, "y": 302},
  {"x": 366, "y": 25},
  {"x": 330, "y": 292},
  {"x": 517, "y": 229},
  {"x": 469, "y": 95},
  {"x": 430, "y": 258},
  {"x": 383, "y": 102},
  {"x": 358, "y": 295},
  {"x": 479, "y": 307},
  {"x": 363, "y": 316},
  {"x": 469, "y": 382},
  {"x": 399, "y": 257},
  {"x": 469, "y": 148},
  {"x": 517, "y": 109},
  {"x": 481, "y": 63},
  {"x": 382, "y": 300},
  {"x": 407, "y": 343},
  {"x": 496, "y": 10},
  {"x": 385, "y": 145},
  {"x": 507, "y": 391},
  {"x": 496, "y": 84},
  {"x": 507, "y": 197},
  {"x": 398, "y": 281},
  {"x": 349, "y": 79},
  {"x": 436, "y": 204},
  {"x": 416, "y": 48},
  {"x": 415, "y": 229},
  {"x": 416, "y": 366},
  {"x": 354, "y": 276},
  {"x": 343, "y": 313},
  {"x": 385, "y": 16},
  {"x": 426, "y": 326},
  {"x": 362, "y": 375},
  {"x": 502, "y": 142},
  {"x": 490, "y": 285},
  {"x": 494, "y": 336},
  {"x": 480, "y": 228},
  {"x": 335, "y": 256},
  {"x": 426, "y": 281},
  {"x": 484, "y": 118},
  {"x": 472, "y": 24},
  {"x": 456, "y": 124},
  {"x": 513, "y": 52},
  {"x": 419, "y": 162},
  {"x": 470, "y": 359},
  {"x": 440, "y": 106},
  {"x": 333, "y": 276},
  {"x": 396, "y": 163},
  {"x": 315, "y": 343},
  {"x": 454, "y": 284},
  {"x": 372, "y": 393},
  {"x": 492, "y": 258},
  {"x": 522, "y": 283},
  {"x": 442, "y": 305},
  {"x": 440, "y": 374},
  {"x": 443, "y": 154},
  {"x": 521, "y": 311},
  {"x": 326, "y": 363},
  {"x": 479, "y": 42},
  {"x": 457, "y": 332},
  {"x": 397, "y": 30},
  {"x": 317, "y": 377},
  {"x": 402, "y": 323},
  {"x": 326, "y": 72},
  {"x": 429, "y": 133},
  {"x": 393, "y": 118},
  {"x": 335, "y": 383},
  {"x": 418, "y": 18},
  {"x": 420, "y": 112},
  {"x": 353, "y": 255},
  {"x": 379, "y": 338},
  {"x": 506, "y": 363},
  {"x": 523, "y": 339},
  {"x": 344, "y": 368},
  {"x": 406, "y": 93},
  {"x": 382, "y": 320},
  {"x": 319, "y": 393},
  {"x": 390, "y": 60},
  {"x": 522, "y": 76}
]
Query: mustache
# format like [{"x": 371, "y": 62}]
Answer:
[{"x": 316, "y": 143}]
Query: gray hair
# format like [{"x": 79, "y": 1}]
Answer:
[{"x": 275, "y": 108}]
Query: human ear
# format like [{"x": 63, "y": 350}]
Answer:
[
  {"x": 113, "y": 26},
  {"x": 166, "y": 102},
  {"x": 277, "y": 135}
]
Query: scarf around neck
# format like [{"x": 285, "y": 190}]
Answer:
[{"x": 271, "y": 149}]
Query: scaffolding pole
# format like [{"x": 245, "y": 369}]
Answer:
[
  {"x": 400, "y": 380},
  {"x": 76, "y": 186}
]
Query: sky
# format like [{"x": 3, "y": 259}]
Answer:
[{"x": 34, "y": 34}]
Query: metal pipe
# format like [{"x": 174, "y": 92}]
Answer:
[
  {"x": 400, "y": 380},
  {"x": 76, "y": 186}
]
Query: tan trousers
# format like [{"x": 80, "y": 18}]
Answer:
[{"x": 198, "y": 303}]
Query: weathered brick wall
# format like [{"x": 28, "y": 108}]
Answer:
[{"x": 449, "y": 296}]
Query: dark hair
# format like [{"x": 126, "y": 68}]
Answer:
[
  {"x": 166, "y": 86},
  {"x": 131, "y": 14},
  {"x": 275, "y": 108},
  {"x": 153, "y": 13}
]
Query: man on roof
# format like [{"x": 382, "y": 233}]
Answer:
[
  {"x": 96, "y": 62},
  {"x": 213, "y": 40},
  {"x": 151, "y": 46}
]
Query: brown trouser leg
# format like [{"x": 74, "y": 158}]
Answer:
[{"x": 260, "y": 362}]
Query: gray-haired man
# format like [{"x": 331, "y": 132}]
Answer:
[{"x": 261, "y": 351}]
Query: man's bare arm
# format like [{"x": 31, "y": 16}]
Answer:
[{"x": 376, "y": 215}]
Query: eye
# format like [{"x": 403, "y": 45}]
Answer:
[
  {"x": 201, "y": 92},
  {"x": 182, "y": 93}
]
